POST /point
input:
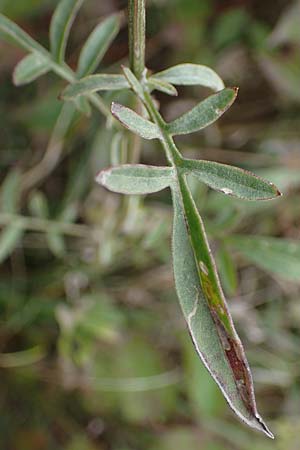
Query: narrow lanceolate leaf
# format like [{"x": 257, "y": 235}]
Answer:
[
  {"x": 206, "y": 311},
  {"x": 30, "y": 68},
  {"x": 97, "y": 44},
  {"x": 94, "y": 83},
  {"x": 134, "y": 122},
  {"x": 9, "y": 239},
  {"x": 204, "y": 114},
  {"x": 280, "y": 257},
  {"x": 14, "y": 34},
  {"x": 136, "y": 179},
  {"x": 191, "y": 74},
  {"x": 10, "y": 192},
  {"x": 162, "y": 86},
  {"x": 60, "y": 26},
  {"x": 133, "y": 82},
  {"x": 231, "y": 180}
]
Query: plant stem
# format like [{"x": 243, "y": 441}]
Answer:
[{"x": 137, "y": 30}]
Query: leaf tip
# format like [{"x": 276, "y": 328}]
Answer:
[
  {"x": 264, "y": 427},
  {"x": 102, "y": 176}
]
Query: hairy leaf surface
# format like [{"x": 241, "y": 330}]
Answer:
[
  {"x": 231, "y": 180},
  {"x": 191, "y": 74},
  {"x": 204, "y": 114},
  {"x": 206, "y": 311},
  {"x": 136, "y": 179},
  {"x": 134, "y": 122},
  {"x": 162, "y": 86}
]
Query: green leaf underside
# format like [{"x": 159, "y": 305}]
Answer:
[
  {"x": 204, "y": 114},
  {"x": 9, "y": 238},
  {"x": 278, "y": 256},
  {"x": 94, "y": 83},
  {"x": 191, "y": 75},
  {"x": 231, "y": 180},
  {"x": 134, "y": 122},
  {"x": 30, "y": 68},
  {"x": 162, "y": 86},
  {"x": 60, "y": 26},
  {"x": 13, "y": 33},
  {"x": 136, "y": 179},
  {"x": 97, "y": 44},
  {"x": 206, "y": 312}
]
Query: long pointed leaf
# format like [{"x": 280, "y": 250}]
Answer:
[
  {"x": 60, "y": 26},
  {"x": 97, "y": 44},
  {"x": 231, "y": 180},
  {"x": 206, "y": 312},
  {"x": 134, "y": 122},
  {"x": 9, "y": 239},
  {"x": 191, "y": 75},
  {"x": 204, "y": 114},
  {"x": 136, "y": 179},
  {"x": 94, "y": 83},
  {"x": 30, "y": 68}
]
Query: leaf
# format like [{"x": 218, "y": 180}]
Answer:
[
  {"x": 10, "y": 192},
  {"x": 278, "y": 256},
  {"x": 60, "y": 26},
  {"x": 82, "y": 105},
  {"x": 190, "y": 75},
  {"x": 231, "y": 180},
  {"x": 97, "y": 44},
  {"x": 134, "y": 122},
  {"x": 30, "y": 68},
  {"x": 9, "y": 239},
  {"x": 13, "y": 33},
  {"x": 162, "y": 86},
  {"x": 204, "y": 114},
  {"x": 206, "y": 312},
  {"x": 134, "y": 83},
  {"x": 94, "y": 83},
  {"x": 136, "y": 179}
]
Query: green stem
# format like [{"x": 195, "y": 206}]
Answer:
[{"x": 137, "y": 30}]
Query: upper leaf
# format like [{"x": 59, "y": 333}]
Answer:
[
  {"x": 206, "y": 311},
  {"x": 30, "y": 68},
  {"x": 191, "y": 74},
  {"x": 134, "y": 122},
  {"x": 94, "y": 83},
  {"x": 136, "y": 179},
  {"x": 60, "y": 26},
  {"x": 97, "y": 44},
  {"x": 13, "y": 33},
  {"x": 231, "y": 180},
  {"x": 204, "y": 114}
]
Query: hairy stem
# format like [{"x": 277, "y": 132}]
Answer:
[{"x": 137, "y": 27}]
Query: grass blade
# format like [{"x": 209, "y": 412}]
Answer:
[
  {"x": 60, "y": 26},
  {"x": 204, "y": 114},
  {"x": 278, "y": 256},
  {"x": 136, "y": 179},
  {"x": 97, "y": 44},
  {"x": 231, "y": 180}
]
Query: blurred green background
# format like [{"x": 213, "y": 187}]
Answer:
[{"x": 94, "y": 352}]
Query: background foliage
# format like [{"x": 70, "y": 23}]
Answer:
[{"x": 94, "y": 353}]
